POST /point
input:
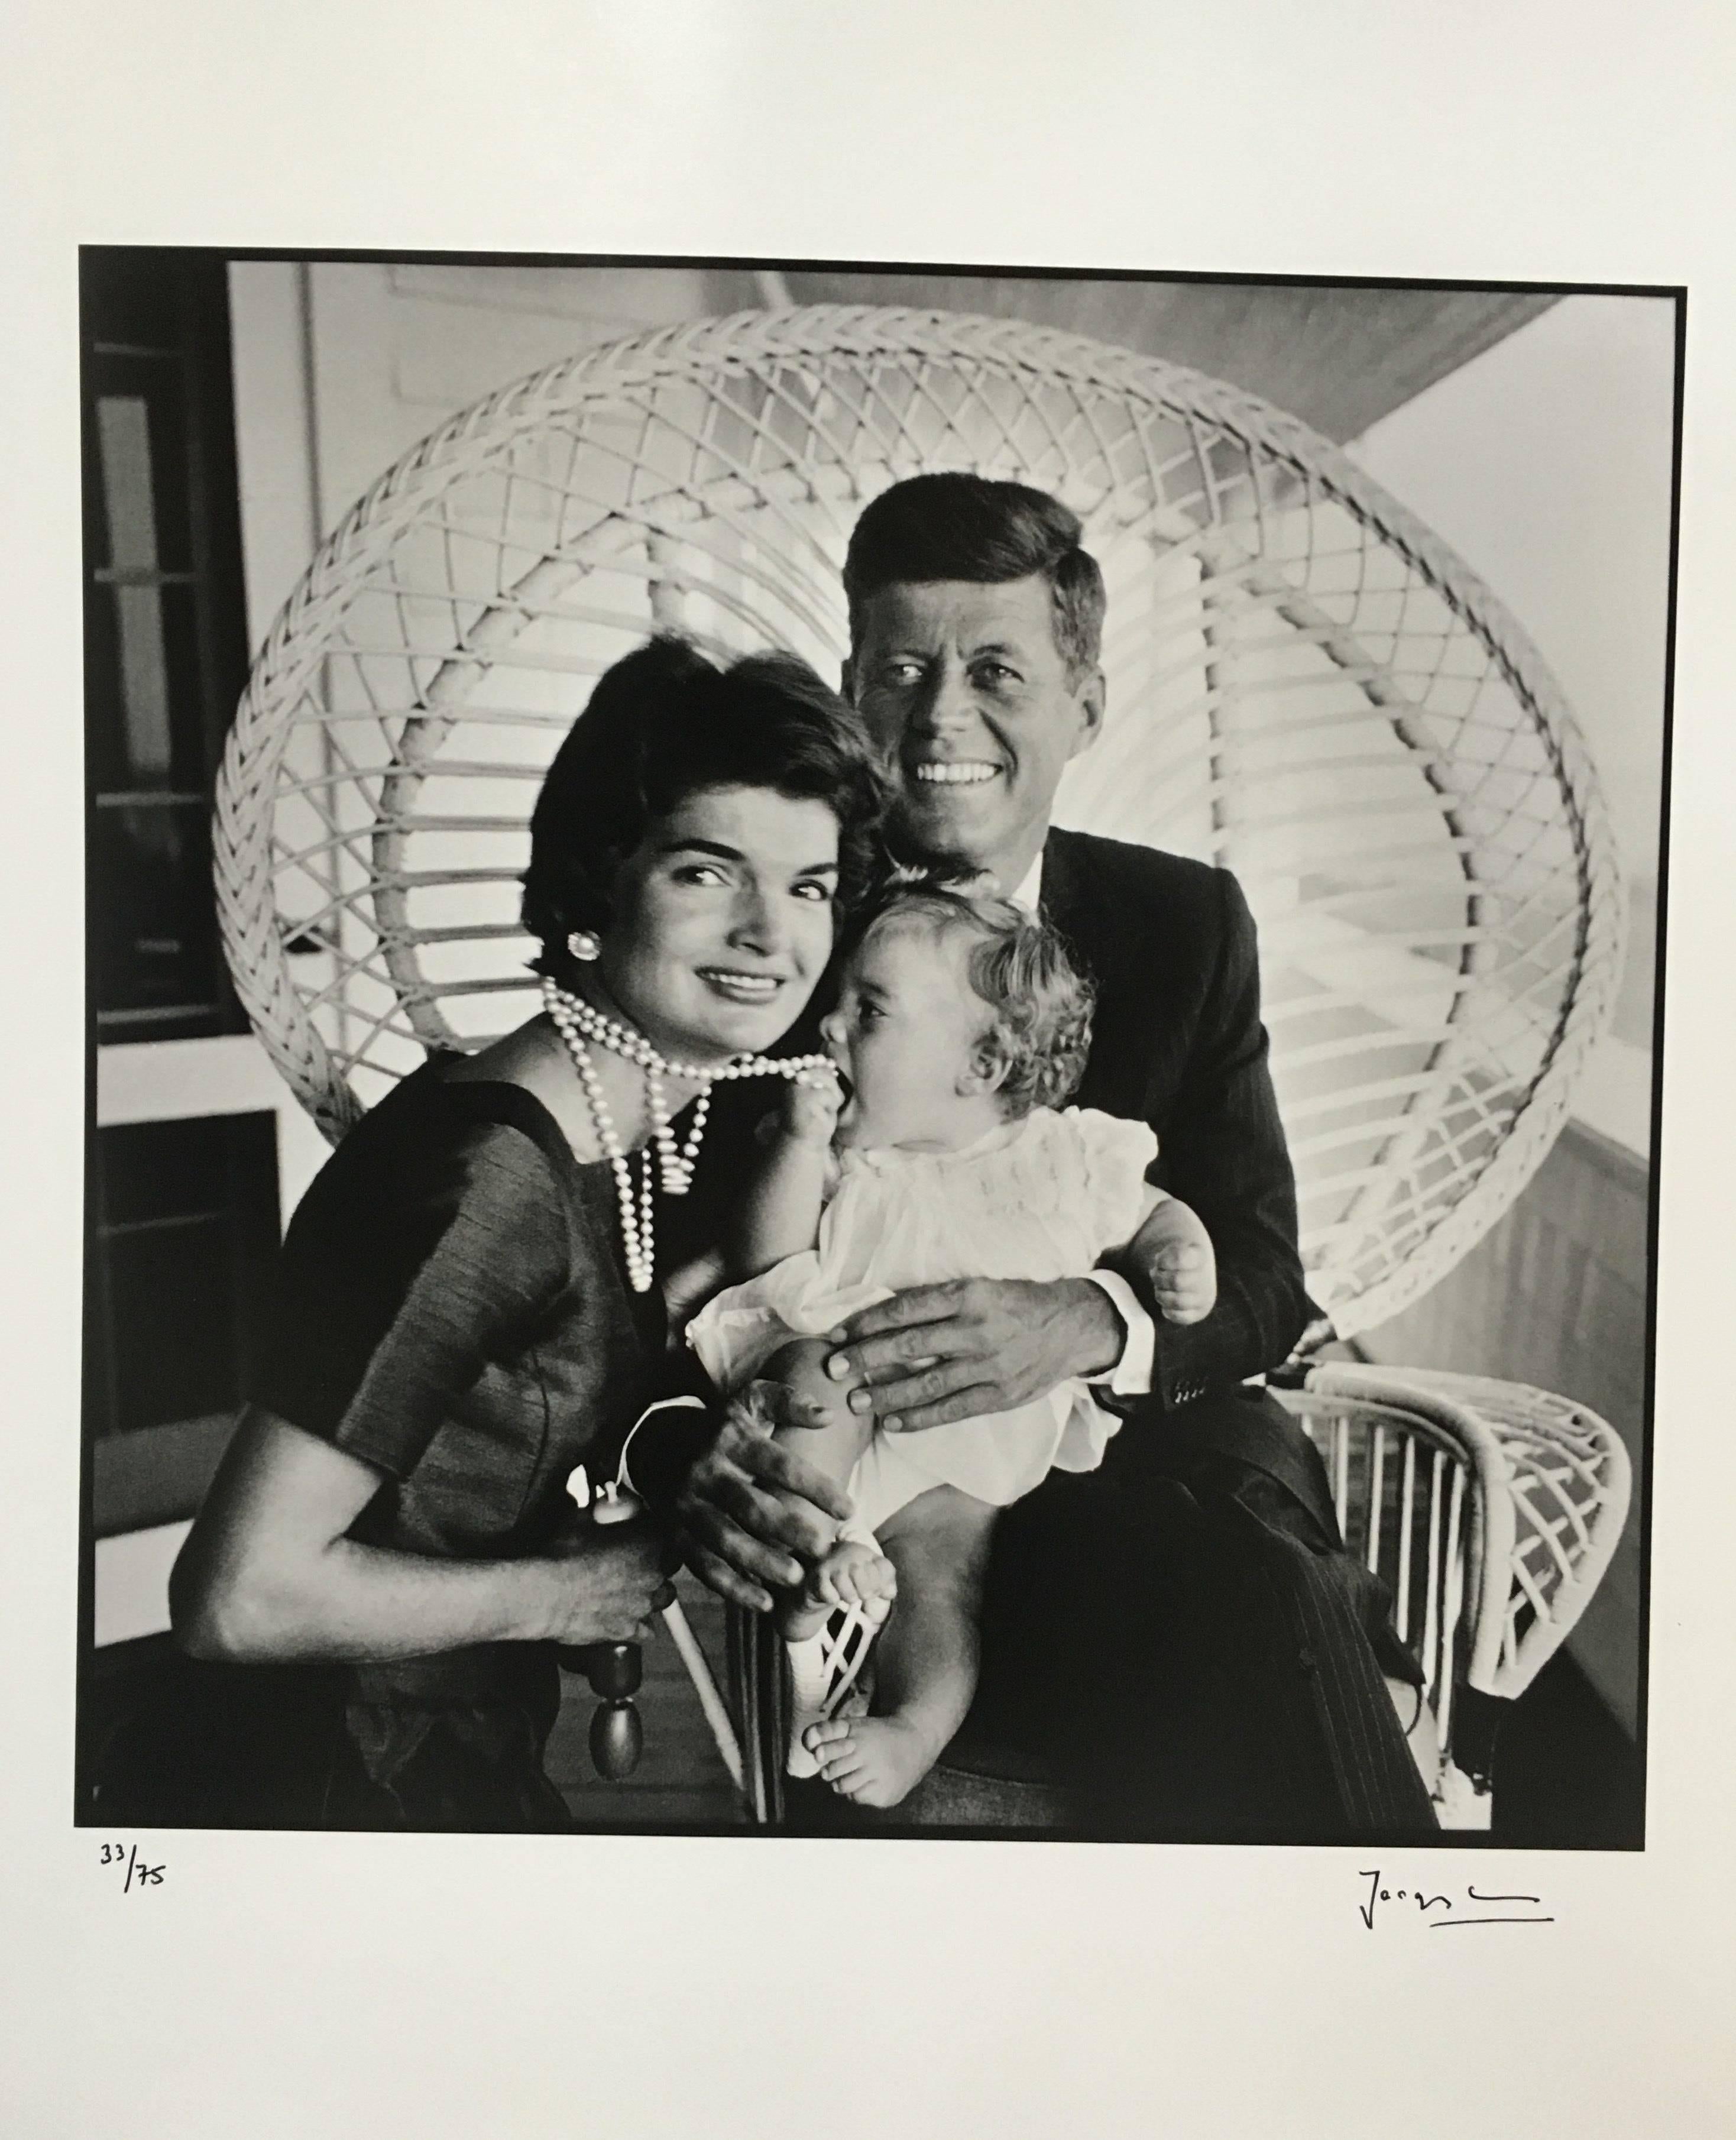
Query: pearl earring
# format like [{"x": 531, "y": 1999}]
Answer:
[{"x": 583, "y": 944}]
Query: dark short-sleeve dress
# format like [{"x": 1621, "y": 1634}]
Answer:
[{"x": 455, "y": 1311}]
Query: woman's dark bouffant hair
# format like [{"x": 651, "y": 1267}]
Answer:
[{"x": 662, "y": 724}]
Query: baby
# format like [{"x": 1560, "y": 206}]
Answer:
[{"x": 961, "y": 1024}]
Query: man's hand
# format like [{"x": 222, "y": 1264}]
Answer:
[
  {"x": 749, "y": 1507},
  {"x": 942, "y": 1352}
]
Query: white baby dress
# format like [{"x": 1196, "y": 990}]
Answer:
[{"x": 1041, "y": 1198}]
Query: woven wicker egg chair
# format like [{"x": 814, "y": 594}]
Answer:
[{"x": 1305, "y": 685}]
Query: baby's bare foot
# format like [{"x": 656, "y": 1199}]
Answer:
[{"x": 871, "y": 1760}]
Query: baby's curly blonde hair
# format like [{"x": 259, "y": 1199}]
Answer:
[{"x": 1040, "y": 1002}]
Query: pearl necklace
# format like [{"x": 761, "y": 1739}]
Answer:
[{"x": 578, "y": 1021}]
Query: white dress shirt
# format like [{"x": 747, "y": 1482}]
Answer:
[{"x": 1131, "y": 1375}]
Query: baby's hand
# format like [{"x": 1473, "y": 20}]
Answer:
[
  {"x": 1175, "y": 1251},
  {"x": 810, "y": 1107},
  {"x": 1184, "y": 1281}
]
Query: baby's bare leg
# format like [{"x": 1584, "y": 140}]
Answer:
[
  {"x": 927, "y": 1657},
  {"x": 815, "y": 1418}
]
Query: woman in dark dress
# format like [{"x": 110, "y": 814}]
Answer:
[{"x": 473, "y": 1292}]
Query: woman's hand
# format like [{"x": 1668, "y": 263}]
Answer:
[
  {"x": 750, "y": 1508},
  {"x": 609, "y": 1583}
]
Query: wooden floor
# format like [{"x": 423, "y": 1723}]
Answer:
[{"x": 681, "y": 1781}]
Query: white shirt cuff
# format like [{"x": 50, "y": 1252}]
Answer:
[{"x": 1130, "y": 1376}]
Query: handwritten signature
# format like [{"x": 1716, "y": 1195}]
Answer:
[{"x": 1452, "y": 1914}]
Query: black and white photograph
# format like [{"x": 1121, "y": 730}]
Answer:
[
  {"x": 874, "y": 1048},
  {"x": 866, "y": 1185}
]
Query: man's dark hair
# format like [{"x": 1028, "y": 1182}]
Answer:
[
  {"x": 958, "y": 527},
  {"x": 662, "y": 724}
]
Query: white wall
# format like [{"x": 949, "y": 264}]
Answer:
[
  {"x": 1546, "y": 463},
  {"x": 395, "y": 350}
]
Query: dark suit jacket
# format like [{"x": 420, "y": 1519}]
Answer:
[{"x": 1177, "y": 1043}]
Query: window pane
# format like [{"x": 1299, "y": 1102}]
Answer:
[
  {"x": 123, "y": 451},
  {"x": 145, "y": 682},
  {"x": 140, "y": 439},
  {"x": 150, "y": 913},
  {"x": 144, "y": 689}
]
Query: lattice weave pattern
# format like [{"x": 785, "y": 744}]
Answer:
[
  {"x": 1490, "y": 1509},
  {"x": 1304, "y": 685}
]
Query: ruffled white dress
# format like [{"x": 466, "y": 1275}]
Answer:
[{"x": 1039, "y": 1198}]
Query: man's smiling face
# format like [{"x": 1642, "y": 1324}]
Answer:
[{"x": 963, "y": 687}]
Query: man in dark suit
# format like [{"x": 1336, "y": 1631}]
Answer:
[{"x": 1180, "y": 1634}]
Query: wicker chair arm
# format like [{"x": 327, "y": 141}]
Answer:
[
  {"x": 1571, "y": 1486},
  {"x": 1565, "y": 1484}
]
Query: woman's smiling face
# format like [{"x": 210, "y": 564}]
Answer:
[{"x": 721, "y": 921}]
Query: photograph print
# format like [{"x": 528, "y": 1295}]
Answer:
[{"x": 874, "y": 1049}]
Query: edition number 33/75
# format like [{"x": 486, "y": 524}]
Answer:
[{"x": 138, "y": 1874}]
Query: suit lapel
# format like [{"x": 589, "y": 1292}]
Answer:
[
  {"x": 1066, "y": 902},
  {"x": 1133, "y": 1058},
  {"x": 1059, "y": 880}
]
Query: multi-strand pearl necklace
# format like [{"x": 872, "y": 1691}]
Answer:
[{"x": 578, "y": 1021}]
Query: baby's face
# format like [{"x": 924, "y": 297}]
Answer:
[{"x": 906, "y": 1033}]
